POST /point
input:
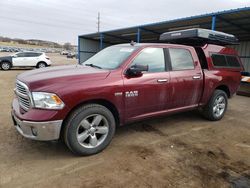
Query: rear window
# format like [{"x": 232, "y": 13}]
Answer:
[
  {"x": 225, "y": 61},
  {"x": 219, "y": 60},
  {"x": 233, "y": 61}
]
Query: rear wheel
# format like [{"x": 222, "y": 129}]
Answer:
[
  {"x": 89, "y": 129},
  {"x": 41, "y": 65},
  {"x": 216, "y": 107},
  {"x": 5, "y": 65}
]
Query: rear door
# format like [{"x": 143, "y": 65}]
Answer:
[
  {"x": 32, "y": 58},
  {"x": 148, "y": 93},
  {"x": 186, "y": 79}
]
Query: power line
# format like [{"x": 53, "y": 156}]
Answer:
[
  {"x": 45, "y": 7},
  {"x": 109, "y": 23},
  {"x": 51, "y": 17},
  {"x": 43, "y": 24}
]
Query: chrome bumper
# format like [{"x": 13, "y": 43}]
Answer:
[{"x": 43, "y": 131}]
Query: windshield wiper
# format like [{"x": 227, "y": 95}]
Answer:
[{"x": 92, "y": 65}]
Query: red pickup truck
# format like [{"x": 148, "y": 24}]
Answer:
[{"x": 83, "y": 104}]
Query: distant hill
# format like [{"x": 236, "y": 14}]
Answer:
[{"x": 34, "y": 42}]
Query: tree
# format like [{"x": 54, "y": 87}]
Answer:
[{"x": 67, "y": 46}]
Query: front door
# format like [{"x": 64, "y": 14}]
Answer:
[
  {"x": 19, "y": 59},
  {"x": 148, "y": 93}
]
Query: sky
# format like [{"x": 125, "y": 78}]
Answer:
[{"x": 63, "y": 20}]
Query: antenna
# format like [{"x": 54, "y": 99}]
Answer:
[{"x": 98, "y": 22}]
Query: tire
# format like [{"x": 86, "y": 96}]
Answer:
[
  {"x": 89, "y": 129},
  {"x": 41, "y": 65},
  {"x": 216, "y": 107},
  {"x": 5, "y": 65}
]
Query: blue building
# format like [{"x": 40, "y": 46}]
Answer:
[{"x": 235, "y": 21}]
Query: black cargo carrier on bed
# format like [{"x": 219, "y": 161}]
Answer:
[{"x": 197, "y": 36}]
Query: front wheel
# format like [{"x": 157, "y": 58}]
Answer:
[
  {"x": 216, "y": 107},
  {"x": 89, "y": 129},
  {"x": 5, "y": 65}
]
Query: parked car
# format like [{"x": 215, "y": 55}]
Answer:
[
  {"x": 71, "y": 55},
  {"x": 64, "y": 52},
  {"x": 5, "y": 49},
  {"x": 25, "y": 59},
  {"x": 121, "y": 84}
]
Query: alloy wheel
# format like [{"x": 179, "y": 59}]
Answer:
[
  {"x": 5, "y": 66},
  {"x": 92, "y": 131},
  {"x": 219, "y": 106}
]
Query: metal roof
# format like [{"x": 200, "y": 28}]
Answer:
[{"x": 234, "y": 21}]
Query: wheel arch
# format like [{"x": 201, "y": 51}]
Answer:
[
  {"x": 224, "y": 88},
  {"x": 6, "y": 60},
  {"x": 109, "y": 105},
  {"x": 41, "y": 62}
]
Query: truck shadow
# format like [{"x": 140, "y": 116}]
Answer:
[
  {"x": 151, "y": 124},
  {"x": 58, "y": 149}
]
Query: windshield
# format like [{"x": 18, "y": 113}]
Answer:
[{"x": 110, "y": 57}]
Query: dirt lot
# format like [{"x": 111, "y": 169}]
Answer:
[{"x": 183, "y": 150}]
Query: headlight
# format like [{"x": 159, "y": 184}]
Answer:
[{"x": 47, "y": 100}]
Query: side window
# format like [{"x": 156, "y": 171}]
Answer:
[
  {"x": 20, "y": 55},
  {"x": 219, "y": 60},
  {"x": 181, "y": 59},
  {"x": 153, "y": 57},
  {"x": 232, "y": 61},
  {"x": 35, "y": 54},
  {"x": 29, "y": 54},
  {"x": 26, "y": 54}
]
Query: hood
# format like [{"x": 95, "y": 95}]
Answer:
[
  {"x": 53, "y": 77},
  {"x": 6, "y": 58}
]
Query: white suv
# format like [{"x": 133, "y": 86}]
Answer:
[{"x": 25, "y": 59}]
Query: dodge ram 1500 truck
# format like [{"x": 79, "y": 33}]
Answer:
[{"x": 83, "y": 104}]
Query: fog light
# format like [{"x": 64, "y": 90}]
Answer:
[{"x": 34, "y": 131}]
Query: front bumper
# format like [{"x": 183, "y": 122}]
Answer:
[{"x": 44, "y": 131}]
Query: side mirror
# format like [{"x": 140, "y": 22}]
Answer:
[
  {"x": 14, "y": 56},
  {"x": 136, "y": 70}
]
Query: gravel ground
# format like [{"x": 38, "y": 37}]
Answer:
[{"x": 181, "y": 150}]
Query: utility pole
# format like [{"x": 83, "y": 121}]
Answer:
[{"x": 98, "y": 22}]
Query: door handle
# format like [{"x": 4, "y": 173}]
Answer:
[
  {"x": 162, "y": 80},
  {"x": 197, "y": 77}
]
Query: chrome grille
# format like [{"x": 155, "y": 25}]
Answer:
[
  {"x": 22, "y": 92},
  {"x": 21, "y": 89}
]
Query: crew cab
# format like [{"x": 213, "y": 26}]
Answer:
[
  {"x": 25, "y": 59},
  {"x": 83, "y": 104}
]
